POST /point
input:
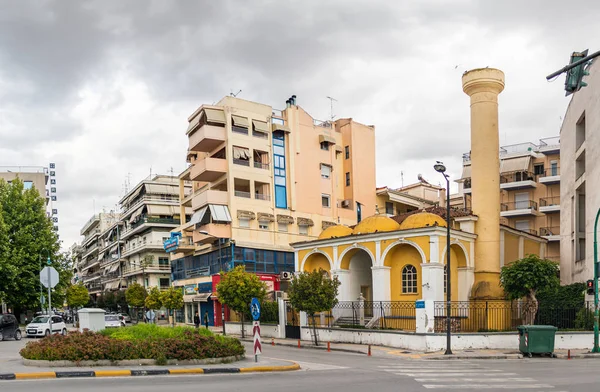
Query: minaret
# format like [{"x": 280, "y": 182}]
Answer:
[{"x": 483, "y": 86}]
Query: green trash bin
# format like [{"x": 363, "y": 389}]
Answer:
[{"x": 536, "y": 339}]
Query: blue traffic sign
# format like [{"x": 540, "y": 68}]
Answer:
[{"x": 255, "y": 309}]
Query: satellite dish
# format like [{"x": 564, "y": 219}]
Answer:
[{"x": 420, "y": 177}]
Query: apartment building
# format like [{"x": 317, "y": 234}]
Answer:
[
  {"x": 412, "y": 197},
  {"x": 262, "y": 179},
  {"x": 529, "y": 189},
  {"x": 580, "y": 198}
]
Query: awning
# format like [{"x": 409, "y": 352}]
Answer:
[
  {"x": 285, "y": 219},
  {"x": 194, "y": 123},
  {"x": 466, "y": 172},
  {"x": 136, "y": 192},
  {"x": 110, "y": 233},
  {"x": 241, "y": 214},
  {"x": 305, "y": 222},
  {"x": 113, "y": 268},
  {"x": 241, "y": 153},
  {"x": 162, "y": 189},
  {"x": 515, "y": 164},
  {"x": 280, "y": 127},
  {"x": 101, "y": 256},
  {"x": 326, "y": 224},
  {"x": 215, "y": 116},
  {"x": 160, "y": 210},
  {"x": 219, "y": 213},
  {"x": 260, "y": 126},
  {"x": 339, "y": 149},
  {"x": 240, "y": 121},
  {"x": 136, "y": 214},
  {"x": 203, "y": 297},
  {"x": 198, "y": 215},
  {"x": 266, "y": 217},
  {"x": 326, "y": 139}
]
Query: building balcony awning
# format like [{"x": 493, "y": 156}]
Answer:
[
  {"x": 113, "y": 268},
  {"x": 202, "y": 297},
  {"x": 136, "y": 214},
  {"x": 241, "y": 153},
  {"x": 194, "y": 123},
  {"x": 215, "y": 116},
  {"x": 280, "y": 127},
  {"x": 260, "y": 126},
  {"x": 515, "y": 164},
  {"x": 466, "y": 173},
  {"x": 339, "y": 149},
  {"x": 326, "y": 224},
  {"x": 197, "y": 216},
  {"x": 285, "y": 219},
  {"x": 240, "y": 121},
  {"x": 219, "y": 213},
  {"x": 161, "y": 210},
  {"x": 326, "y": 139},
  {"x": 266, "y": 217},
  {"x": 242, "y": 214},
  {"x": 305, "y": 222},
  {"x": 162, "y": 189}
]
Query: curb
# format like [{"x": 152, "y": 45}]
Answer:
[
  {"x": 149, "y": 372},
  {"x": 333, "y": 348},
  {"x": 463, "y": 357}
]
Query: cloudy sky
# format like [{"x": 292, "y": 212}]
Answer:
[{"x": 103, "y": 88}]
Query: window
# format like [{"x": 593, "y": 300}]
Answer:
[
  {"x": 163, "y": 261},
  {"x": 389, "y": 208},
  {"x": 146, "y": 282},
  {"x": 239, "y": 124},
  {"x": 303, "y": 230},
  {"x": 347, "y": 178},
  {"x": 538, "y": 169},
  {"x": 27, "y": 184},
  {"x": 325, "y": 171},
  {"x": 358, "y": 212},
  {"x": 325, "y": 200},
  {"x": 347, "y": 152},
  {"x": 283, "y": 227},
  {"x": 324, "y": 146},
  {"x": 244, "y": 223},
  {"x": 53, "y": 181},
  {"x": 263, "y": 225},
  {"x": 554, "y": 168},
  {"x": 522, "y": 225},
  {"x": 409, "y": 280},
  {"x": 279, "y": 169},
  {"x": 580, "y": 132}
]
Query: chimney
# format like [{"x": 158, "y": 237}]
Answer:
[
  {"x": 287, "y": 103},
  {"x": 293, "y": 100}
]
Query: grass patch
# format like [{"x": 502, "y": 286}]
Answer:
[{"x": 153, "y": 331}]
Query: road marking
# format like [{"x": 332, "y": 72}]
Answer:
[
  {"x": 440, "y": 370},
  {"x": 487, "y": 386},
  {"x": 508, "y": 379},
  {"x": 458, "y": 374}
]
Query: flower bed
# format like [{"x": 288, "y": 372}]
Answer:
[{"x": 139, "y": 342}]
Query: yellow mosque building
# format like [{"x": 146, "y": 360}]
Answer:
[{"x": 402, "y": 257}]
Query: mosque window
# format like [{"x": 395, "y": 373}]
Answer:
[{"x": 409, "y": 280}]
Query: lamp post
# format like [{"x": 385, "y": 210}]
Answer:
[{"x": 440, "y": 168}]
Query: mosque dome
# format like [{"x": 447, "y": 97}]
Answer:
[
  {"x": 422, "y": 219},
  {"x": 335, "y": 231},
  {"x": 376, "y": 224}
]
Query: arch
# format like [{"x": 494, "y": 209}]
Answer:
[
  {"x": 341, "y": 262},
  {"x": 464, "y": 261},
  {"x": 458, "y": 260},
  {"x": 410, "y": 279},
  {"x": 402, "y": 242},
  {"x": 312, "y": 253}
]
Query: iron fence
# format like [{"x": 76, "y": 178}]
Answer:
[{"x": 399, "y": 315}]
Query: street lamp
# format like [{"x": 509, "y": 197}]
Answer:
[{"x": 441, "y": 168}]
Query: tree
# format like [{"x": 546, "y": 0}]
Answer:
[
  {"x": 527, "y": 276},
  {"x": 110, "y": 300},
  {"x": 237, "y": 288},
  {"x": 154, "y": 299},
  {"x": 172, "y": 299},
  {"x": 77, "y": 296},
  {"x": 136, "y": 296},
  {"x": 27, "y": 237},
  {"x": 313, "y": 292}
]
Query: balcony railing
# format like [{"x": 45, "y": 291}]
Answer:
[
  {"x": 517, "y": 176},
  {"x": 242, "y": 194},
  {"x": 519, "y": 205},
  {"x": 260, "y": 165},
  {"x": 242, "y": 130},
  {"x": 549, "y": 231},
  {"x": 261, "y": 135},
  {"x": 467, "y": 183},
  {"x": 261, "y": 196},
  {"x": 551, "y": 171},
  {"x": 146, "y": 268},
  {"x": 550, "y": 201},
  {"x": 164, "y": 221},
  {"x": 242, "y": 162},
  {"x": 530, "y": 231}
]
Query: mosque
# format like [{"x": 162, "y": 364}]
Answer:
[{"x": 403, "y": 257}]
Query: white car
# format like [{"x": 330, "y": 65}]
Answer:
[
  {"x": 113, "y": 321},
  {"x": 40, "y": 326}
]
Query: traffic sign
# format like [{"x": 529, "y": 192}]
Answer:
[
  {"x": 255, "y": 309},
  {"x": 49, "y": 280},
  {"x": 257, "y": 345}
]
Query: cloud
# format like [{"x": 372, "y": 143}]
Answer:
[{"x": 103, "y": 88}]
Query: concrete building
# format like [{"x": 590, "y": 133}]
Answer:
[
  {"x": 409, "y": 198},
  {"x": 262, "y": 179},
  {"x": 530, "y": 179},
  {"x": 580, "y": 180}
]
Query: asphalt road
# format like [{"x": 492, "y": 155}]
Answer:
[{"x": 335, "y": 371}]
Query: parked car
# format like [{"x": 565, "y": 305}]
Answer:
[
  {"x": 113, "y": 321},
  {"x": 9, "y": 327},
  {"x": 125, "y": 318},
  {"x": 40, "y": 326}
]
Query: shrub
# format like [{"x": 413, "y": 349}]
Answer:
[
  {"x": 584, "y": 319},
  {"x": 140, "y": 342},
  {"x": 269, "y": 312}
]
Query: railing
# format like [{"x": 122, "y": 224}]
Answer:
[
  {"x": 242, "y": 194},
  {"x": 110, "y": 276},
  {"x": 260, "y": 165},
  {"x": 550, "y": 201},
  {"x": 241, "y": 130},
  {"x": 164, "y": 221},
  {"x": 261, "y": 135},
  {"x": 551, "y": 171},
  {"x": 466, "y": 156},
  {"x": 489, "y": 316},
  {"x": 530, "y": 231},
  {"x": 321, "y": 123},
  {"x": 378, "y": 314},
  {"x": 548, "y": 231},
  {"x": 242, "y": 162},
  {"x": 518, "y": 176},
  {"x": 138, "y": 203},
  {"x": 24, "y": 169},
  {"x": 550, "y": 141},
  {"x": 467, "y": 183},
  {"x": 262, "y": 196},
  {"x": 518, "y": 205},
  {"x": 146, "y": 268}
]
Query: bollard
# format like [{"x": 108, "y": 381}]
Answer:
[
  {"x": 369, "y": 350},
  {"x": 298, "y": 343},
  {"x": 328, "y": 347},
  {"x": 272, "y": 341},
  {"x": 569, "y": 354}
]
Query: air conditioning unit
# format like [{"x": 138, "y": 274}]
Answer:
[
  {"x": 345, "y": 203},
  {"x": 285, "y": 275}
]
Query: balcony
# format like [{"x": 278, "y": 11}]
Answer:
[
  {"x": 467, "y": 185},
  {"x": 262, "y": 196},
  {"x": 550, "y": 145},
  {"x": 550, "y": 204},
  {"x": 517, "y": 180},
  {"x": 136, "y": 247},
  {"x": 159, "y": 221},
  {"x": 94, "y": 287},
  {"x": 208, "y": 196},
  {"x": 137, "y": 269},
  {"x": 243, "y": 194},
  {"x": 550, "y": 176},
  {"x": 260, "y": 165},
  {"x": 206, "y": 138},
  {"x": 519, "y": 208},
  {"x": 208, "y": 169},
  {"x": 241, "y": 162},
  {"x": 550, "y": 233}
]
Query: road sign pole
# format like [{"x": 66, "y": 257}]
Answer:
[{"x": 49, "y": 298}]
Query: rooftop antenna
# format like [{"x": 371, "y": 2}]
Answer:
[
  {"x": 401, "y": 178},
  {"x": 150, "y": 173},
  {"x": 172, "y": 175},
  {"x": 236, "y": 94},
  {"x": 331, "y": 106}
]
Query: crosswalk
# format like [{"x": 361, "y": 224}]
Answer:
[{"x": 457, "y": 375}]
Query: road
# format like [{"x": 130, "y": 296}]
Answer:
[{"x": 336, "y": 371}]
